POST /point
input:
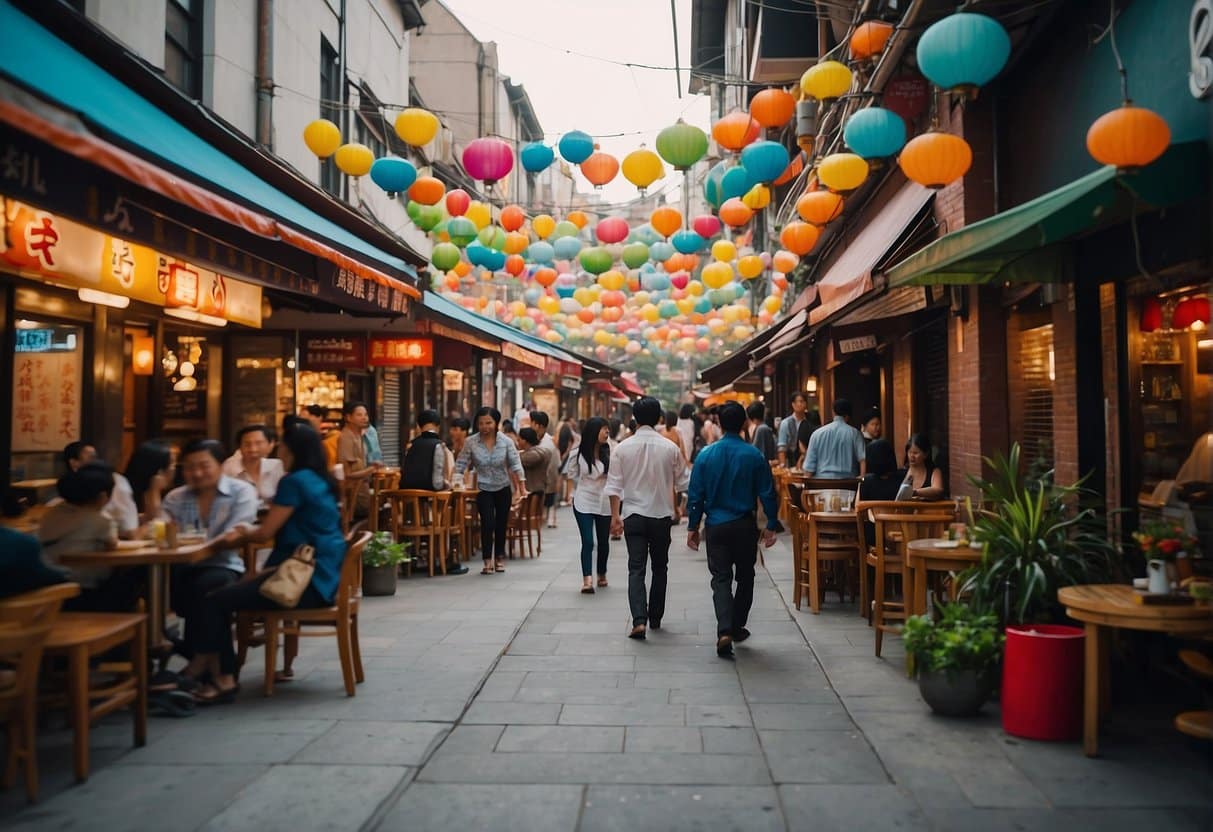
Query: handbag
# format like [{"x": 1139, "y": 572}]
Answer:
[{"x": 286, "y": 585}]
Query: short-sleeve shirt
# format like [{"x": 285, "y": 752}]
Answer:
[
  {"x": 835, "y": 451},
  {"x": 234, "y": 503},
  {"x": 315, "y": 521}
]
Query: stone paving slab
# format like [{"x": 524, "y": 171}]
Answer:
[
  {"x": 438, "y": 807},
  {"x": 681, "y": 809}
]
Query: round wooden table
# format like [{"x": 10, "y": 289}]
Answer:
[
  {"x": 1102, "y": 606},
  {"x": 926, "y": 555}
]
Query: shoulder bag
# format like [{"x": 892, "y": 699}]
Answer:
[{"x": 286, "y": 585}]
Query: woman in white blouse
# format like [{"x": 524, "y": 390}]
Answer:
[
  {"x": 591, "y": 508},
  {"x": 252, "y": 462}
]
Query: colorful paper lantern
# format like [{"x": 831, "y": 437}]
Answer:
[
  {"x": 682, "y": 144},
  {"x": 935, "y": 159},
  {"x": 799, "y": 237},
  {"x": 536, "y": 157},
  {"x": 794, "y": 169},
  {"x": 842, "y": 171},
  {"x": 635, "y": 255},
  {"x": 870, "y": 39},
  {"x": 712, "y": 184},
  {"x": 417, "y": 127},
  {"x": 764, "y": 161},
  {"x": 735, "y": 213},
  {"x": 600, "y": 168},
  {"x": 963, "y": 51},
  {"x": 784, "y": 261},
  {"x": 1128, "y": 137},
  {"x": 665, "y": 220},
  {"x": 595, "y": 260},
  {"x": 875, "y": 133},
  {"x": 736, "y": 183},
  {"x": 735, "y": 130},
  {"x": 1151, "y": 315},
  {"x": 426, "y": 190},
  {"x": 687, "y": 241},
  {"x": 706, "y": 226},
  {"x": 488, "y": 160},
  {"x": 354, "y": 159},
  {"x": 773, "y": 107},
  {"x": 393, "y": 174},
  {"x": 612, "y": 230},
  {"x": 750, "y": 266},
  {"x": 461, "y": 230},
  {"x": 642, "y": 168},
  {"x": 479, "y": 213},
  {"x": 724, "y": 250},
  {"x": 757, "y": 197},
  {"x": 826, "y": 80},
  {"x": 575, "y": 146},
  {"x": 322, "y": 137},
  {"x": 819, "y": 207},
  {"x": 717, "y": 275},
  {"x": 543, "y": 225},
  {"x": 457, "y": 201},
  {"x": 445, "y": 256},
  {"x": 512, "y": 217}
]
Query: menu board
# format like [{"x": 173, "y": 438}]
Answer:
[{"x": 46, "y": 400}]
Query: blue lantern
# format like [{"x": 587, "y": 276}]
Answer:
[
  {"x": 493, "y": 260},
  {"x": 712, "y": 184},
  {"x": 688, "y": 242},
  {"x": 393, "y": 174},
  {"x": 661, "y": 251},
  {"x": 567, "y": 248},
  {"x": 538, "y": 252},
  {"x": 563, "y": 292},
  {"x": 536, "y": 156},
  {"x": 736, "y": 182},
  {"x": 576, "y": 147},
  {"x": 875, "y": 133},
  {"x": 644, "y": 234},
  {"x": 765, "y": 161},
  {"x": 963, "y": 51}
]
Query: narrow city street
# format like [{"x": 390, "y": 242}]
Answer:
[{"x": 513, "y": 702}]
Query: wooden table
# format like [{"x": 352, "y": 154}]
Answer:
[
  {"x": 925, "y": 556},
  {"x": 33, "y": 485},
  {"x": 1104, "y": 606},
  {"x": 155, "y": 559}
]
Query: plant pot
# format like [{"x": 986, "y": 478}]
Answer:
[
  {"x": 955, "y": 692},
  {"x": 379, "y": 580},
  {"x": 1042, "y": 675}
]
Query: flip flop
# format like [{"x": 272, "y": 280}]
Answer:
[
  {"x": 177, "y": 704},
  {"x": 587, "y": 590},
  {"x": 212, "y": 695},
  {"x": 500, "y": 568},
  {"x": 488, "y": 570}
]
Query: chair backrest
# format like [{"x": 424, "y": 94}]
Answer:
[
  {"x": 866, "y": 510},
  {"x": 21, "y": 653},
  {"x": 351, "y": 571},
  {"x": 349, "y": 499},
  {"x": 912, "y": 526},
  {"x": 411, "y": 510},
  {"x": 819, "y": 484},
  {"x": 36, "y": 608},
  {"x": 385, "y": 480}
]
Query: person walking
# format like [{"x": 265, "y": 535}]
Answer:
[
  {"x": 729, "y": 479},
  {"x": 645, "y": 475},
  {"x": 588, "y": 468},
  {"x": 499, "y": 474}
]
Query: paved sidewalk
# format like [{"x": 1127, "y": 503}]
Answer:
[{"x": 514, "y": 702}]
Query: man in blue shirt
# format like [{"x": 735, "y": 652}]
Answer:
[
  {"x": 836, "y": 451},
  {"x": 728, "y": 480}
]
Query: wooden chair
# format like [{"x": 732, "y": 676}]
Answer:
[
  {"x": 830, "y": 539},
  {"x": 525, "y": 519},
  {"x": 340, "y": 620},
  {"x": 79, "y": 637},
  {"x": 422, "y": 517},
  {"x": 893, "y": 533},
  {"x": 25, "y": 624},
  {"x": 381, "y": 481},
  {"x": 349, "y": 501},
  {"x": 865, "y": 510},
  {"x": 1198, "y": 724}
]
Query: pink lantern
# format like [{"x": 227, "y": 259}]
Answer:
[
  {"x": 612, "y": 230},
  {"x": 706, "y": 226},
  {"x": 488, "y": 160},
  {"x": 457, "y": 202},
  {"x": 679, "y": 280}
]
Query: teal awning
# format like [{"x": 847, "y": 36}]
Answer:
[
  {"x": 1026, "y": 243},
  {"x": 493, "y": 328},
  {"x": 35, "y": 58}
]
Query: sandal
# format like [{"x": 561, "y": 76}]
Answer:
[
  {"x": 587, "y": 590},
  {"x": 211, "y": 695},
  {"x": 500, "y": 566},
  {"x": 602, "y": 581},
  {"x": 282, "y": 677},
  {"x": 178, "y": 704},
  {"x": 488, "y": 570}
]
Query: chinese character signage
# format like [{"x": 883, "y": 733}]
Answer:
[
  {"x": 46, "y": 245},
  {"x": 355, "y": 287},
  {"x": 401, "y": 352},
  {"x": 334, "y": 352},
  {"x": 46, "y": 399}
]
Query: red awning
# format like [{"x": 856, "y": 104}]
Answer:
[
  {"x": 611, "y": 390},
  {"x": 630, "y": 386}
]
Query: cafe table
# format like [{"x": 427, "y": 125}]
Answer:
[
  {"x": 146, "y": 553},
  {"x": 932, "y": 555},
  {"x": 1102, "y": 607}
]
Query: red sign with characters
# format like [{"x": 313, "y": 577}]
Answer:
[
  {"x": 334, "y": 352},
  {"x": 907, "y": 95},
  {"x": 401, "y": 352}
]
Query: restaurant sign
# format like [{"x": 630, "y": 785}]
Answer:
[
  {"x": 524, "y": 356},
  {"x": 857, "y": 344},
  {"x": 39, "y": 244},
  {"x": 401, "y": 352},
  {"x": 334, "y": 352}
]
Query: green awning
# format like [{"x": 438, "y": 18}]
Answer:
[{"x": 1027, "y": 243}]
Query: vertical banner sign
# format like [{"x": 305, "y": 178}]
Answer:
[{"x": 46, "y": 399}]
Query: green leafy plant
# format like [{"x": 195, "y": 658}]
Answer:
[
  {"x": 382, "y": 550},
  {"x": 956, "y": 638},
  {"x": 1037, "y": 537}
]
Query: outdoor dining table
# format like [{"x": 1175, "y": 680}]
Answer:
[
  {"x": 146, "y": 553},
  {"x": 1104, "y": 606},
  {"x": 932, "y": 555}
]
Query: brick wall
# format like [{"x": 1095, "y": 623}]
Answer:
[
  {"x": 1107, "y": 314},
  {"x": 1065, "y": 392},
  {"x": 898, "y": 424}
]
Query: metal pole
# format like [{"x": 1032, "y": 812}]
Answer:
[
  {"x": 265, "y": 73},
  {"x": 677, "y": 65}
]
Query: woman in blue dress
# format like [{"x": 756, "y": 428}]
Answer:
[{"x": 304, "y": 511}]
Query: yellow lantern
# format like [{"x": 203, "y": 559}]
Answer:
[
  {"x": 750, "y": 266},
  {"x": 479, "y": 213},
  {"x": 842, "y": 171},
  {"x": 354, "y": 159},
  {"x": 717, "y": 275},
  {"x": 694, "y": 288},
  {"x": 826, "y": 81},
  {"x": 724, "y": 251},
  {"x": 322, "y": 137},
  {"x": 757, "y": 198},
  {"x": 516, "y": 242},
  {"x": 611, "y": 280},
  {"x": 549, "y": 305},
  {"x": 543, "y": 225},
  {"x": 650, "y": 313},
  {"x": 772, "y": 303},
  {"x": 416, "y": 127},
  {"x": 583, "y": 296},
  {"x": 686, "y": 306},
  {"x": 642, "y": 168}
]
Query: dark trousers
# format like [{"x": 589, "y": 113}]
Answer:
[
  {"x": 647, "y": 538},
  {"x": 494, "y": 507},
  {"x": 117, "y": 593},
  {"x": 588, "y": 525},
  {"x": 732, "y": 545},
  {"x": 190, "y": 587},
  {"x": 215, "y": 626}
]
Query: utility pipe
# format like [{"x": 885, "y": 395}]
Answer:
[{"x": 265, "y": 73}]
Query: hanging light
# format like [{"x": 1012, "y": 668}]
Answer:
[
  {"x": 1128, "y": 137},
  {"x": 842, "y": 171},
  {"x": 963, "y": 51},
  {"x": 1151, "y": 315},
  {"x": 935, "y": 159},
  {"x": 1191, "y": 312},
  {"x": 488, "y": 160},
  {"x": 875, "y": 133},
  {"x": 826, "y": 80},
  {"x": 143, "y": 355},
  {"x": 599, "y": 168}
]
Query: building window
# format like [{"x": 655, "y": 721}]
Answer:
[
  {"x": 370, "y": 128},
  {"x": 1036, "y": 361},
  {"x": 183, "y": 45},
  {"x": 330, "y": 108}
]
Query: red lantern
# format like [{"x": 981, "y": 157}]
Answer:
[
  {"x": 1191, "y": 312},
  {"x": 488, "y": 160},
  {"x": 1151, "y": 315},
  {"x": 457, "y": 202}
]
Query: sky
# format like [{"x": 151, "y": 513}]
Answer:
[{"x": 536, "y": 40}]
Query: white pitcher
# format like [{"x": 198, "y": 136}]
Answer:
[{"x": 1158, "y": 581}]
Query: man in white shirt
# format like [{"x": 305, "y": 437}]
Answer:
[
  {"x": 251, "y": 462},
  {"x": 647, "y": 471}
]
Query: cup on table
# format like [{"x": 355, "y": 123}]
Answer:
[{"x": 835, "y": 502}]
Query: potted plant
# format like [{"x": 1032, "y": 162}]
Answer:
[
  {"x": 955, "y": 654},
  {"x": 1164, "y": 544},
  {"x": 380, "y": 560}
]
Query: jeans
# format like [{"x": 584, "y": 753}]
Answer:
[
  {"x": 732, "y": 544},
  {"x": 588, "y": 524},
  {"x": 647, "y": 538},
  {"x": 494, "y": 507}
]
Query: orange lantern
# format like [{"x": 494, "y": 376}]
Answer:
[
  {"x": 819, "y": 207},
  {"x": 578, "y": 218},
  {"x": 784, "y": 261},
  {"x": 674, "y": 263},
  {"x": 600, "y": 168},
  {"x": 514, "y": 264},
  {"x": 735, "y": 213},
  {"x": 870, "y": 39},
  {"x": 512, "y": 217},
  {"x": 735, "y": 131},
  {"x": 794, "y": 169},
  {"x": 427, "y": 190},
  {"x": 545, "y": 276},
  {"x": 935, "y": 159},
  {"x": 773, "y": 107},
  {"x": 1128, "y": 137},
  {"x": 799, "y": 237},
  {"x": 586, "y": 315},
  {"x": 463, "y": 268},
  {"x": 665, "y": 220},
  {"x": 516, "y": 242}
]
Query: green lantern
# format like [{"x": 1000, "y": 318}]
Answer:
[
  {"x": 445, "y": 256},
  {"x": 461, "y": 230},
  {"x": 413, "y": 209},
  {"x": 564, "y": 228},
  {"x": 493, "y": 237},
  {"x": 635, "y": 255},
  {"x": 682, "y": 144},
  {"x": 428, "y": 217},
  {"x": 595, "y": 260}
]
